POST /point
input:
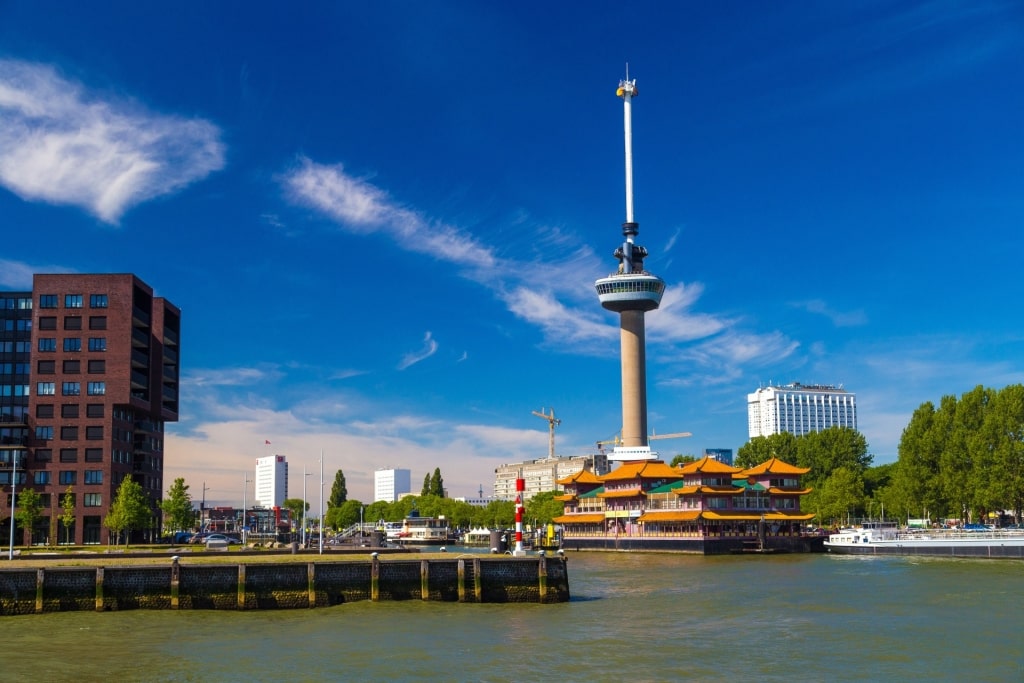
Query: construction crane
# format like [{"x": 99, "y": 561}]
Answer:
[
  {"x": 618, "y": 440},
  {"x": 552, "y": 423}
]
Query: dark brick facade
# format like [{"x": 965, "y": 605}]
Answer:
[{"x": 105, "y": 368}]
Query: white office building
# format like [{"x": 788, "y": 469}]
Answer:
[
  {"x": 271, "y": 485},
  {"x": 800, "y": 409},
  {"x": 390, "y": 485},
  {"x": 543, "y": 474}
]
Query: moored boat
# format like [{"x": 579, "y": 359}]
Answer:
[{"x": 886, "y": 538}]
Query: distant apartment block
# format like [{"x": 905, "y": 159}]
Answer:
[
  {"x": 271, "y": 483},
  {"x": 722, "y": 455},
  {"x": 89, "y": 371},
  {"x": 390, "y": 485},
  {"x": 800, "y": 409},
  {"x": 543, "y": 474}
]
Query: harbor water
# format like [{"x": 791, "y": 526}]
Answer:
[{"x": 632, "y": 617}]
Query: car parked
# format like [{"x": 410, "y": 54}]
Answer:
[{"x": 220, "y": 538}]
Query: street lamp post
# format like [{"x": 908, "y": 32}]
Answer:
[
  {"x": 304, "y": 505},
  {"x": 245, "y": 488},
  {"x": 14, "y": 484}
]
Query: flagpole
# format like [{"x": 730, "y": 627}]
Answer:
[{"x": 321, "y": 543}]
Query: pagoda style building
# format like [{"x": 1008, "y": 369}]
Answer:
[{"x": 704, "y": 507}]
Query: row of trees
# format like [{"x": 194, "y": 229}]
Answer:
[{"x": 962, "y": 459}]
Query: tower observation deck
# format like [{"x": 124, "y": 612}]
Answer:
[{"x": 631, "y": 292}]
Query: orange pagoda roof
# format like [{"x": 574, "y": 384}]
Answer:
[
  {"x": 591, "y": 518},
  {"x": 774, "y": 466},
  {"x": 788, "y": 492},
  {"x": 581, "y": 477},
  {"x": 670, "y": 516},
  {"x": 646, "y": 469},
  {"x": 753, "y": 517},
  {"x": 710, "y": 466},
  {"x": 622, "y": 493},
  {"x": 564, "y": 498}
]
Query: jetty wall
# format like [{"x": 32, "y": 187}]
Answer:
[{"x": 281, "y": 585}]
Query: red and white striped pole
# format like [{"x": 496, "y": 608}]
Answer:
[{"x": 520, "y": 492}]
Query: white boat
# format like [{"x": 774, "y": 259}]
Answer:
[
  {"x": 886, "y": 538},
  {"x": 421, "y": 531}
]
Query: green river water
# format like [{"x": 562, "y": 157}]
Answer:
[{"x": 632, "y": 617}]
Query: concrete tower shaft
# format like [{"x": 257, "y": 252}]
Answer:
[{"x": 631, "y": 292}]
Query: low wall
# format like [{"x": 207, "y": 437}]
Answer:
[
  {"x": 283, "y": 585},
  {"x": 715, "y": 545}
]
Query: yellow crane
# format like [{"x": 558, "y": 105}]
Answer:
[
  {"x": 617, "y": 440},
  {"x": 552, "y": 423}
]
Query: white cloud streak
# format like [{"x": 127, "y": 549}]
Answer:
[
  {"x": 63, "y": 144},
  {"x": 429, "y": 349}
]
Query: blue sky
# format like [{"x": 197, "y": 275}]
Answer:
[{"x": 383, "y": 221}]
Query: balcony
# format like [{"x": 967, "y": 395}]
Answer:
[
  {"x": 170, "y": 337},
  {"x": 140, "y": 338},
  {"x": 140, "y": 380},
  {"x": 140, "y": 318},
  {"x": 140, "y": 359}
]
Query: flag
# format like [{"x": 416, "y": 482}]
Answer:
[{"x": 266, "y": 443}]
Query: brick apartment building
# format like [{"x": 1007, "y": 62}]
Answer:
[{"x": 89, "y": 370}]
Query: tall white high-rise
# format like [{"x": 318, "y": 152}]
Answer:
[
  {"x": 390, "y": 485},
  {"x": 800, "y": 409},
  {"x": 271, "y": 484}
]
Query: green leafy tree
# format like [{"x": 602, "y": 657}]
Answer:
[
  {"x": 177, "y": 507},
  {"x": 681, "y": 459},
  {"x": 426, "y": 485},
  {"x": 344, "y": 516},
  {"x": 295, "y": 507},
  {"x": 499, "y": 514},
  {"x": 129, "y": 511},
  {"x": 437, "y": 483},
  {"x": 67, "y": 512},
  {"x": 839, "y": 496},
  {"x": 339, "y": 492},
  {"x": 29, "y": 510},
  {"x": 761, "y": 448},
  {"x": 542, "y": 508},
  {"x": 376, "y": 511}
]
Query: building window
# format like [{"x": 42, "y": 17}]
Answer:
[
  {"x": 44, "y": 432},
  {"x": 92, "y": 500},
  {"x": 44, "y": 454},
  {"x": 47, "y": 344},
  {"x": 96, "y": 344},
  {"x": 69, "y": 433},
  {"x": 72, "y": 344},
  {"x": 48, "y": 322},
  {"x": 47, "y": 301},
  {"x": 42, "y": 477},
  {"x": 67, "y": 477},
  {"x": 94, "y": 433},
  {"x": 72, "y": 301},
  {"x": 72, "y": 367},
  {"x": 44, "y": 410},
  {"x": 73, "y": 322},
  {"x": 94, "y": 410},
  {"x": 71, "y": 388},
  {"x": 97, "y": 388},
  {"x": 46, "y": 367},
  {"x": 69, "y": 455},
  {"x": 97, "y": 322},
  {"x": 94, "y": 455},
  {"x": 69, "y": 410},
  {"x": 46, "y": 388},
  {"x": 97, "y": 367},
  {"x": 97, "y": 301},
  {"x": 94, "y": 476}
]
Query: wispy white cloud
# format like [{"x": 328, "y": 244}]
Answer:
[
  {"x": 221, "y": 377},
  {"x": 838, "y": 318},
  {"x": 428, "y": 349},
  {"x": 63, "y": 144},
  {"x": 18, "y": 274}
]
